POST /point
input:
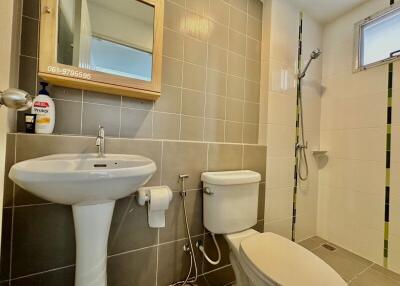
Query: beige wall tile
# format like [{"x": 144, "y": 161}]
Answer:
[
  {"x": 193, "y": 102},
  {"x": 255, "y": 9},
  {"x": 240, "y": 4},
  {"x": 195, "y": 51},
  {"x": 218, "y": 35},
  {"x": 172, "y": 71},
  {"x": 219, "y": 11},
  {"x": 236, "y": 64},
  {"x": 251, "y": 112},
  {"x": 222, "y": 157},
  {"x": 192, "y": 128},
  {"x": 199, "y": 7},
  {"x": 234, "y": 110},
  {"x": 173, "y": 16},
  {"x": 254, "y": 28},
  {"x": 194, "y": 77},
  {"x": 252, "y": 91},
  {"x": 250, "y": 133},
  {"x": 234, "y": 132},
  {"x": 237, "y": 42},
  {"x": 217, "y": 58},
  {"x": 216, "y": 83},
  {"x": 170, "y": 100},
  {"x": 235, "y": 87},
  {"x": 173, "y": 44},
  {"x": 214, "y": 130},
  {"x": 254, "y": 158},
  {"x": 253, "y": 70},
  {"x": 253, "y": 49},
  {"x": 215, "y": 107},
  {"x": 166, "y": 125},
  {"x": 238, "y": 20}
]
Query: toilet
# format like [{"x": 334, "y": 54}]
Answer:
[{"x": 230, "y": 202}]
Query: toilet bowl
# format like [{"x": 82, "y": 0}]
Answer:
[
  {"x": 267, "y": 259},
  {"x": 230, "y": 201}
]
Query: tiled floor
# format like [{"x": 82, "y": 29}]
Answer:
[{"x": 356, "y": 270}]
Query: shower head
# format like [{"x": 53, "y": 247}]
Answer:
[{"x": 314, "y": 55}]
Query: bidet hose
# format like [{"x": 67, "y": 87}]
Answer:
[
  {"x": 201, "y": 248},
  {"x": 187, "y": 281},
  {"x": 301, "y": 149}
]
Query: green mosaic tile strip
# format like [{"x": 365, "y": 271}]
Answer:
[{"x": 300, "y": 49}]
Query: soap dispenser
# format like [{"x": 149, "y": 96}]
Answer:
[{"x": 43, "y": 107}]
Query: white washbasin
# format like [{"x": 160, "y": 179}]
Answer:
[
  {"x": 91, "y": 184},
  {"x": 83, "y": 178}
]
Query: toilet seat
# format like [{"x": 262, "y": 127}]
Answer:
[{"x": 271, "y": 257}]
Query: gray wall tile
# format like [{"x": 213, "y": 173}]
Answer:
[
  {"x": 61, "y": 277},
  {"x": 136, "y": 268},
  {"x": 31, "y": 8},
  {"x": 146, "y": 148},
  {"x": 166, "y": 126},
  {"x": 6, "y": 244},
  {"x": 29, "y": 37},
  {"x": 101, "y": 98},
  {"x": 69, "y": 117},
  {"x": 174, "y": 263},
  {"x": 175, "y": 222},
  {"x": 51, "y": 243},
  {"x": 136, "y": 123},
  {"x": 107, "y": 116},
  {"x": 183, "y": 158},
  {"x": 129, "y": 216},
  {"x": 9, "y": 161}
]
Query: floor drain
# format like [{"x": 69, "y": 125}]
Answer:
[{"x": 329, "y": 247}]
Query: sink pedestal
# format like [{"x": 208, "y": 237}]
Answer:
[{"x": 92, "y": 226}]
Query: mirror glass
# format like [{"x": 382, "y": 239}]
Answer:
[{"x": 113, "y": 37}]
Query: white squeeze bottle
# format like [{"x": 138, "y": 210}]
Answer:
[{"x": 43, "y": 107}]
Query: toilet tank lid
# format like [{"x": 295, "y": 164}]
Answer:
[{"x": 231, "y": 177}]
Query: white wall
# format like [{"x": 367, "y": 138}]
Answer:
[
  {"x": 353, "y": 130},
  {"x": 8, "y": 71},
  {"x": 278, "y": 117}
]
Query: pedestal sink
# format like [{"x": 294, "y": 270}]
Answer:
[{"x": 91, "y": 185}]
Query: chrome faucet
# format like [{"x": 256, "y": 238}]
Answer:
[{"x": 100, "y": 142}]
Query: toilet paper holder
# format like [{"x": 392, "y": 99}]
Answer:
[
  {"x": 144, "y": 194},
  {"x": 158, "y": 200}
]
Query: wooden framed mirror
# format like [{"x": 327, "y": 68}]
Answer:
[{"x": 106, "y": 46}]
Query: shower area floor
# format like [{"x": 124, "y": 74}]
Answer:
[{"x": 356, "y": 270}]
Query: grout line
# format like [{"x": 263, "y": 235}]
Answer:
[
  {"x": 157, "y": 254},
  {"x": 12, "y": 215},
  {"x": 42, "y": 272},
  {"x": 145, "y": 139},
  {"x": 361, "y": 272},
  {"x": 81, "y": 131},
  {"x": 212, "y": 69},
  {"x": 120, "y": 117}
]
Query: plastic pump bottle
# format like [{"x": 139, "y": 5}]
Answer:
[{"x": 43, "y": 107}]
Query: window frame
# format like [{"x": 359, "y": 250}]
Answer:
[{"x": 358, "y": 40}]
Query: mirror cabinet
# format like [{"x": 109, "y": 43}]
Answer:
[{"x": 101, "y": 45}]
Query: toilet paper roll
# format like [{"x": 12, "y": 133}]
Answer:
[{"x": 160, "y": 197}]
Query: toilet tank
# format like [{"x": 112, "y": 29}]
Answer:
[{"x": 230, "y": 200}]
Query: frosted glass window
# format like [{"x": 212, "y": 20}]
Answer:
[{"x": 380, "y": 38}]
